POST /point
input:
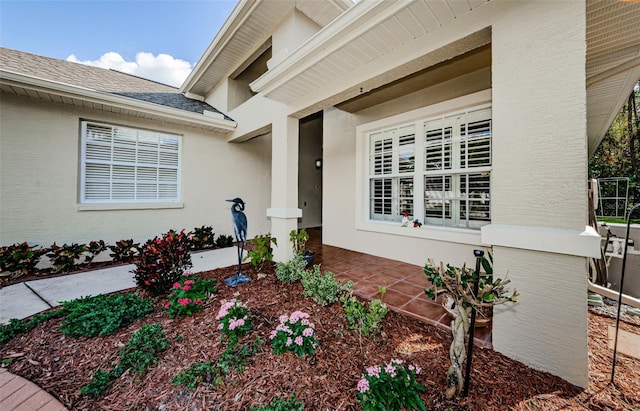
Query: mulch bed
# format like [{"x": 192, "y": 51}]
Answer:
[{"x": 324, "y": 381}]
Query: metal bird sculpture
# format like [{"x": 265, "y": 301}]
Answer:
[{"x": 240, "y": 230}]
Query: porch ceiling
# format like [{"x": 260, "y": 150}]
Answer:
[
  {"x": 371, "y": 33},
  {"x": 247, "y": 32}
]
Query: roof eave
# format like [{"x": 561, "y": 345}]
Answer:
[{"x": 122, "y": 102}]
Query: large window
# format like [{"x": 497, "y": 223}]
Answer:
[
  {"x": 127, "y": 165},
  {"x": 436, "y": 170}
]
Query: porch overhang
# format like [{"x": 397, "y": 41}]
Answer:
[{"x": 47, "y": 90}]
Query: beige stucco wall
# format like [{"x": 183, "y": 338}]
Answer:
[
  {"x": 39, "y": 163},
  {"x": 539, "y": 180}
]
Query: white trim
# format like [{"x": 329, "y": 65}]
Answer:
[
  {"x": 281, "y": 212},
  {"x": 451, "y": 234},
  {"x": 114, "y": 100},
  {"x": 570, "y": 242},
  {"x": 128, "y": 206}
]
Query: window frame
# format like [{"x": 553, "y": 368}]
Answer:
[
  {"x": 173, "y": 156},
  {"x": 475, "y": 101}
]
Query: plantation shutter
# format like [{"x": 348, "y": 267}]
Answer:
[{"x": 122, "y": 164}]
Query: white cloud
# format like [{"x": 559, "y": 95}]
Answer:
[{"x": 162, "y": 68}]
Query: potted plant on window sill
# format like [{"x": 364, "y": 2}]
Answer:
[{"x": 299, "y": 240}]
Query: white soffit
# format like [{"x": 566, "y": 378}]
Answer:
[
  {"x": 613, "y": 62},
  {"x": 248, "y": 28},
  {"x": 368, "y": 31}
]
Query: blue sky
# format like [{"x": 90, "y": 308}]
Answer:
[{"x": 114, "y": 33}]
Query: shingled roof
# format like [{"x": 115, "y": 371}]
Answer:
[{"x": 99, "y": 79}]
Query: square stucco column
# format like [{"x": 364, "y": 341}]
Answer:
[
  {"x": 284, "y": 211},
  {"x": 539, "y": 187}
]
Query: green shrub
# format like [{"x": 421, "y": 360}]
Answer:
[
  {"x": 197, "y": 373},
  {"x": 290, "y": 271},
  {"x": 103, "y": 314},
  {"x": 162, "y": 262},
  {"x": 15, "y": 326},
  {"x": 202, "y": 238},
  {"x": 224, "y": 241},
  {"x": 367, "y": 322},
  {"x": 93, "y": 249},
  {"x": 324, "y": 289},
  {"x": 188, "y": 294},
  {"x": 261, "y": 251},
  {"x": 390, "y": 387},
  {"x": 20, "y": 258},
  {"x": 137, "y": 355},
  {"x": 124, "y": 251},
  {"x": 282, "y": 404},
  {"x": 66, "y": 258}
]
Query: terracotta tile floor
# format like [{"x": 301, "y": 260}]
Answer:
[{"x": 405, "y": 283}]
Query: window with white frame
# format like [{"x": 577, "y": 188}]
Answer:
[
  {"x": 128, "y": 165},
  {"x": 436, "y": 170}
]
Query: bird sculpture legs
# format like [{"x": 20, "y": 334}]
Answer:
[{"x": 239, "y": 278}]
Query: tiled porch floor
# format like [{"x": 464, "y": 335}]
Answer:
[{"x": 405, "y": 283}]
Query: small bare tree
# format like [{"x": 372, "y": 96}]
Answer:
[{"x": 457, "y": 284}]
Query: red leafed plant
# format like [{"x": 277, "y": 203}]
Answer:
[{"x": 162, "y": 262}]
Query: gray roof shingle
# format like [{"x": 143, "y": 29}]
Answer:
[{"x": 99, "y": 79}]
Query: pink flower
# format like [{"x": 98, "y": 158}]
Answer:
[
  {"x": 374, "y": 371},
  {"x": 220, "y": 326},
  {"x": 167, "y": 305},
  {"x": 283, "y": 319},
  {"x": 298, "y": 340},
  {"x": 184, "y": 301},
  {"x": 198, "y": 301},
  {"x": 176, "y": 286},
  {"x": 236, "y": 323},
  {"x": 273, "y": 334},
  {"x": 308, "y": 332},
  {"x": 289, "y": 342},
  {"x": 363, "y": 385},
  {"x": 390, "y": 369},
  {"x": 186, "y": 287},
  {"x": 189, "y": 282}
]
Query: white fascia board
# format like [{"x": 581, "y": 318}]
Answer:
[
  {"x": 99, "y": 97},
  {"x": 236, "y": 19},
  {"x": 569, "y": 242},
  {"x": 355, "y": 21}
]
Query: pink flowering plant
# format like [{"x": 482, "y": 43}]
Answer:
[
  {"x": 187, "y": 295},
  {"x": 294, "y": 333},
  {"x": 234, "y": 320},
  {"x": 390, "y": 387}
]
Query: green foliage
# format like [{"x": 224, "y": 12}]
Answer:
[
  {"x": 210, "y": 373},
  {"x": 20, "y": 258},
  {"x": 224, "y": 241},
  {"x": 15, "y": 326},
  {"x": 138, "y": 354},
  {"x": 290, "y": 271},
  {"x": 294, "y": 333},
  {"x": 141, "y": 351},
  {"x": 98, "y": 383},
  {"x": 124, "y": 251},
  {"x": 324, "y": 289},
  {"x": 198, "y": 373},
  {"x": 234, "y": 321},
  {"x": 282, "y": 404},
  {"x": 260, "y": 251},
  {"x": 65, "y": 258},
  {"x": 202, "y": 238},
  {"x": 188, "y": 294},
  {"x": 392, "y": 387},
  {"x": 298, "y": 240},
  {"x": 162, "y": 262},
  {"x": 93, "y": 249},
  {"x": 366, "y": 321},
  {"x": 102, "y": 315}
]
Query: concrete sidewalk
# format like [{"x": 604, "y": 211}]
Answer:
[{"x": 31, "y": 297}]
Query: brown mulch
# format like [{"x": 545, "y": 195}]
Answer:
[{"x": 324, "y": 381}]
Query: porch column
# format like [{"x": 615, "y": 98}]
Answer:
[
  {"x": 284, "y": 211},
  {"x": 539, "y": 186}
]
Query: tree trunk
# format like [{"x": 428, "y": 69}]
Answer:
[{"x": 457, "y": 351}]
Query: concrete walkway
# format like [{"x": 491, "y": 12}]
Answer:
[{"x": 31, "y": 297}]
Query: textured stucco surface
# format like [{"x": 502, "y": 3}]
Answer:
[{"x": 39, "y": 166}]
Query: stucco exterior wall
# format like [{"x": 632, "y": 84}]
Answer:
[
  {"x": 539, "y": 180},
  {"x": 339, "y": 177},
  {"x": 39, "y": 166}
]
